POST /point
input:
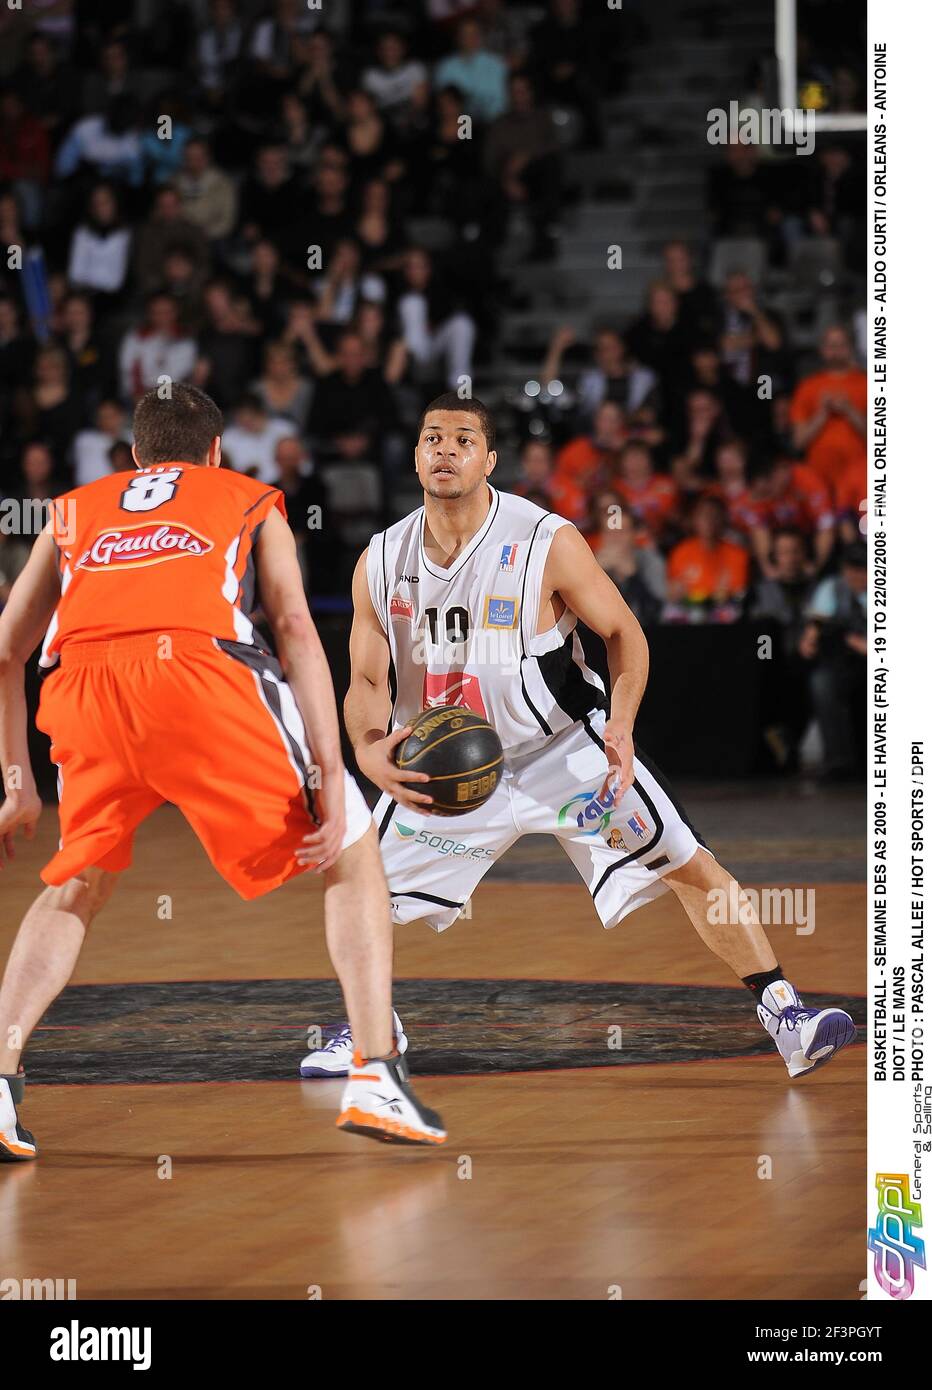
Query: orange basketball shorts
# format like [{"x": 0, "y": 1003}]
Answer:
[{"x": 208, "y": 725}]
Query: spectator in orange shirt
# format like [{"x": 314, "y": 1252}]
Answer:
[
  {"x": 650, "y": 498},
  {"x": 588, "y": 457},
  {"x": 850, "y": 502},
  {"x": 706, "y": 575},
  {"x": 829, "y": 410},
  {"x": 541, "y": 483},
  {"x": 792, "y": 496},
  {"x": 731, "y": 487}
]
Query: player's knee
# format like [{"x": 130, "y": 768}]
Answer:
[
  {"x": 701, "y": 870},
  {"x": 359, "y": 863},
  {"x": 100, "y": 888},
  {"x": 84, "y": 895}
]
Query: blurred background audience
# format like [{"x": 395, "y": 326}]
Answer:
[{"x": 325, "y": 216}]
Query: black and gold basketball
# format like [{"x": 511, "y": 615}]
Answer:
[{"x": 461, "y": 754}]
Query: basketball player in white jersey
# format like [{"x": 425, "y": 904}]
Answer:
[{"x": 474, "y": 600}]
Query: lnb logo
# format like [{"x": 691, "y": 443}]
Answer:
[{"x": 898, "y": 1253}]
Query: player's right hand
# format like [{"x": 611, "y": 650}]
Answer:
[
  {"x": 18, "y": 812},
  {"x": 377, "y": 761}
]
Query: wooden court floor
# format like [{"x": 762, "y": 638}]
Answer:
[{"x": 637, "y": 1181}]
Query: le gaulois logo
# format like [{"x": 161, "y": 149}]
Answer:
[{"x": 149, "y": 543}]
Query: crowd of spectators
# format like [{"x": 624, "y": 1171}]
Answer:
[
  {"x": 235, "y": 195},
  {"x": 720, "y": 479},
  {"x": 300, "y": 210}
]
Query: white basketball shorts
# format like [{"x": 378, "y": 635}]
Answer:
[{"x": 622, "y": 853}]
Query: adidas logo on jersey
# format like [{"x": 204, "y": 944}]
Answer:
[{"x": 146, "y": 544}]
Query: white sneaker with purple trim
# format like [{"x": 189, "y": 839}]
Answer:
[
  {"x": 335, "y": 1058},
  {"x": 805, "y": 1038}
]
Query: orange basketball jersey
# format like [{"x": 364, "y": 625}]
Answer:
[{"x": 166, "y": 548}]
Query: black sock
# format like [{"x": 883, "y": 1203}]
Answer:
[
  {"x": 758, "y": 983},
  {"x": 16, "y": 1082}
]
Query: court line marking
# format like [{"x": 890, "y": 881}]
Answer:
[
  {"x": 425, "y": 1075},
  {"x": 458, "y": 979}
]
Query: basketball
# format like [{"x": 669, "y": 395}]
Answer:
[{"x": 460, "y": 752}]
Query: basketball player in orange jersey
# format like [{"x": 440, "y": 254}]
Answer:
[
  {"x": 158, "y": 689},
  {"x": 473, "y": 599}
]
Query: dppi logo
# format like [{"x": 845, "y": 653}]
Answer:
[
  {"x": 897, "y": 1252},
  {"x": 594, "y": 814}
]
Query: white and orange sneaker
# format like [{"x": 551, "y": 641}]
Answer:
[
  {"x": 16, "y": 1143},
  {"x": 378, "y": 1101}
]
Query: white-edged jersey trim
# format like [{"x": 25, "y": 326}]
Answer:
[
  {"x": 231, "y": 591},
  {"x": 46, "y": 662},
  {"x": 449, "y": 574},
  {"x": 468, "y": 635}
]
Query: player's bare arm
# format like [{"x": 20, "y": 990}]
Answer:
[
  {"x": 573, "y": 575},
  {"x": 368, "y": 705},
  {"x": 305, "y": 666},
  {"x": 22, "y": 623}
]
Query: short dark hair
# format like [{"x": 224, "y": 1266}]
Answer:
[
  {"x": 470, "y": 405},
  {"x": 177, "y": 428}
]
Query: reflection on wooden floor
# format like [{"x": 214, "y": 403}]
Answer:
[{"x": 644, "y": 1181}]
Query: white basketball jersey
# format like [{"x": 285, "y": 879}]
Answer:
[{"x": 467, "y": 635}]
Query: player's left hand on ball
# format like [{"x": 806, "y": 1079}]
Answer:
[
  {"x": 18, "y": 812},
  {"x": 619, "y": 749},
  {"x": 321, "y": 848}
]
